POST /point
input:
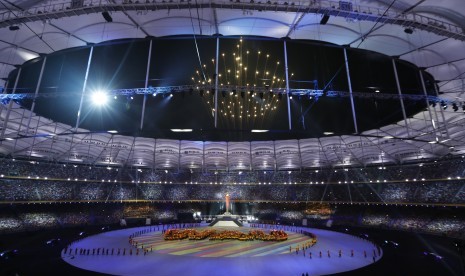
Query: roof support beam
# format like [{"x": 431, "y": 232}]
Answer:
[
  {"x": 96, "y": 159},
  {"x": 448, "y": 62},
  {"x": 19, "y": 47},
  {"x": 215, "y": 20},
  {"x": 7, "y": 63},
  {"x": 135, "y": 23},
  {"x": 295, "y": 24},
  {"x": 68, "y": 33},
  {"x": 364, "y": 13},
  {"x": 423, "y": 46}
]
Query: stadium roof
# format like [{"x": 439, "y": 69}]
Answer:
[{"x": 427, "y": 33}]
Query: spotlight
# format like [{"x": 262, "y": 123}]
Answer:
[
  {"x": 99, "y": 98},
  {"x": 107, "y": 16},
  {"x": 408, "y": 31},
  {"x": 443, "y": 105},
  {"x": 324, "y": 19}
]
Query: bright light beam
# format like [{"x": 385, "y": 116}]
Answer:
[{"x": 99, "y": 98}]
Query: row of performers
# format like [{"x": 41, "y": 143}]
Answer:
[{"x": 191, "y": 234}]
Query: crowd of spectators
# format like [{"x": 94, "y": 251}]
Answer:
[
  {"x": 31, "y": 217},
  {"x": 435, "y": 183},
  {"x": 448, "y": 221},
  {"x": 447, "y": 169},
  {"x": 420, "y": 192}
]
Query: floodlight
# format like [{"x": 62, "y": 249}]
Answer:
[
  {"x": 324, "y": 19},
  {"x": 99, "y": 98}
]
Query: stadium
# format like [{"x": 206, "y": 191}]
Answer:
[{"x": 235, "y": 137}]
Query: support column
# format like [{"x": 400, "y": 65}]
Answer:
[
  {"x": 179, "y": 156},
  {"x": 250, "y": 155},
  {"x": 203, "y": 157},
  {"x": 288, "y": 95},
  {"x": 216, "y": 80},
  {"x": 155, "y": 154},
  {"x": 84, "y": 88},
  {"x": 442, "y": 113},
  {"x": 275, "y": 159},
  {"x": 227, "y": 157},
  {"x": 5, "y": 86},
  {"x": 146, "y": 85},
  {"x": 36, "y": 93},
  {"x": 34, "y": 138},
  {"x": 3, "y": 92},
  {"x": 423, "y": 86},
  {"x": 354, "y": 116},
  {"x": 399, "y": 91},
  {"x": 10, "y": 104}
]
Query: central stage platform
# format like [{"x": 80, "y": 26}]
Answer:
[
  {"x": 225, "y": 258},
  {"x": 226, "y": 220}
]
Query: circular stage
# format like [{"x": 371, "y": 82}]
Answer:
[{"x": 229, "y": 257}]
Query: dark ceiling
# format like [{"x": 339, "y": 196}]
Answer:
[{"x": 244, "y": 61}]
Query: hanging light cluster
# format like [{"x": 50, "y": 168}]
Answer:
[{"x": 251, "y": 85}]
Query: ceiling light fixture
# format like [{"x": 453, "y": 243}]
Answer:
[
  {"x": 99, "y": 98},
  {"x": 181, "y": 130}
]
